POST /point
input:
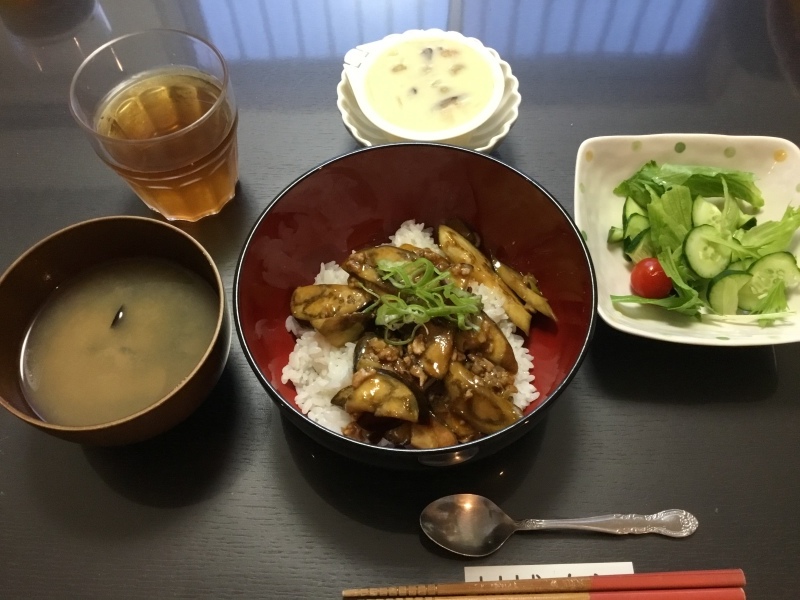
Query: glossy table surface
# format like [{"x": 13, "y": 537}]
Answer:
[{"x": 237, "y": 503}]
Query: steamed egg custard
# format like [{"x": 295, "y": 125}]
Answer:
[
  {"x": 115, "y": 340},
  {"x": 429, "y": 85}
]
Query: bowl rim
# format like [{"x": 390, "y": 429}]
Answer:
[
  {"x": 421, "y": 453},
  {"x": 218, "y": 287}
]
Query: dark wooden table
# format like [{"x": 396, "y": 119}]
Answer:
[{"x": 237, "y": 503}]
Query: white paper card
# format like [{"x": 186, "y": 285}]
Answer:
[{"x": 545, "y": 571}]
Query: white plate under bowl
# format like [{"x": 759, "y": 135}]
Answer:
[
  {"x": 483, "y": 139},
  {"x": 603, "y": 162}
]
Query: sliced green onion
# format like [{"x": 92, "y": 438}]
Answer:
[{"x": 423, "y": 293}]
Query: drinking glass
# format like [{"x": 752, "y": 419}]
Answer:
[{"x": 159, "y": 109}]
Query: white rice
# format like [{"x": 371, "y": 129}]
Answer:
[
  {"x": 416, "y": 234},
  {"x": 493, "y": 307},
  {"x": 318, "y": 370},
  {"x": 330, "y": 272}
]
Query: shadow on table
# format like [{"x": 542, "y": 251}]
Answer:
[
  {"x": 179, "y": 467},
  {"x": 223, "y": 234},
  {"x": 631, "y": 367},
  {"x": 392, "y": 500}
]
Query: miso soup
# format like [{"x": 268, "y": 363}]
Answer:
[{"x": 115, "y": 340}]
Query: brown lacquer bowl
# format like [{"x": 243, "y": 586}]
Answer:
[
  {"x": 30, "y": 280},
  {"x": 359, "y": 200}
]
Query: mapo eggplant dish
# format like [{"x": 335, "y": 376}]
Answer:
[{"x": 414, "y": 343}]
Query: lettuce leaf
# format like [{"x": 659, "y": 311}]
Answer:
[
  {"x": 730, "y": 211},
  {"x": 640, "y": 186},
  {"x": 672, "y": 265},
  {"x": 708, "y": 182},
  {"x": 703, "y": 181},
  {"x": 771, "y": 236},
  {"x": 670, "y": 218},
  {"x": 771, "y": 305}
]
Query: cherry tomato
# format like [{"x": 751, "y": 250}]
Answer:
[{"x": 649, "y": 280}]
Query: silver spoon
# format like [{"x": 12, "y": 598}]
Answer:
[{"x": 472, "y": 525}]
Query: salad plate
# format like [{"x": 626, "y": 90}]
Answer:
[
  {"x": 603, "y": 163},
  {"x": 484, "y": 139}
]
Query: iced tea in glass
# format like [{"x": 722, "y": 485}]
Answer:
[{"x": 159, "y": 109}]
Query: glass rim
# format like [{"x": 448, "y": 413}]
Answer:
[{"x": 207, "y": 115}]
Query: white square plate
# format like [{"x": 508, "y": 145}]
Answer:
[{"x": 603, "y": 162}]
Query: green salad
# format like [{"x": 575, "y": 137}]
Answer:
[{"x": 698, "y": 227}]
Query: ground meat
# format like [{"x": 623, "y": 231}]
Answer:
[
  {"x": 493, "y": 376},
  {"x": 361, "y": 376},
  {"x": 380, "y": 355},
  {"x": 388, "y": 354},
  {"x": 417, "y": 345},
  {"x": 461, "y": 270},
  {"x": 403, "y": 360},
  {"x": 354, "y": 431},
  {"x": 384, "y": 353},
  {"x": 419, "y": 373}
]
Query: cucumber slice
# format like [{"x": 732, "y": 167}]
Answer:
[
  {"x": 723, "y": 291},
  {"x": 766, "y": 272},
  {"x": 629, "y": 209},
  {"x": 705, "y": 213},
  {"x": 636, "y": 243},
  {"x": 639, "y": 247},
  {"x": 706, "y": 257},
  {"x": 634, "y": 226},
  {"x": 614, "y": 235}
]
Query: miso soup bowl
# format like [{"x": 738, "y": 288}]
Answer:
[
  {"x": 30, "y": 280},
  {"x": 359, "y": 200}
]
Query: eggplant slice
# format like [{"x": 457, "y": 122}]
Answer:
[
  {"x": 384, "y": 395},
  {"x": 363, "y": 265},
  {"x": 489, "y": 342},
  {"x": 323, "y": 301},
  {"x": 478, "y": 404}
]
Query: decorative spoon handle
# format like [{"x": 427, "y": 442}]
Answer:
[{"x": 673, "y": 523}]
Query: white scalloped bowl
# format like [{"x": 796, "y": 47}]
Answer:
[
  {"x": 603, "y": 162},
  {"x": 483, "y": 137}
]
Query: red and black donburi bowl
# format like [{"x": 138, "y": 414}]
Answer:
[{"x": 360, "y": 199}]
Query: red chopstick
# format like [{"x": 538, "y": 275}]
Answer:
[
  {"x": 670, "y": 584},
  {"x": 671, "y": 580},
  {"x": 728, "y": 593}
]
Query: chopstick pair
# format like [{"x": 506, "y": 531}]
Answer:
[{"x": 721, "y": 584}]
